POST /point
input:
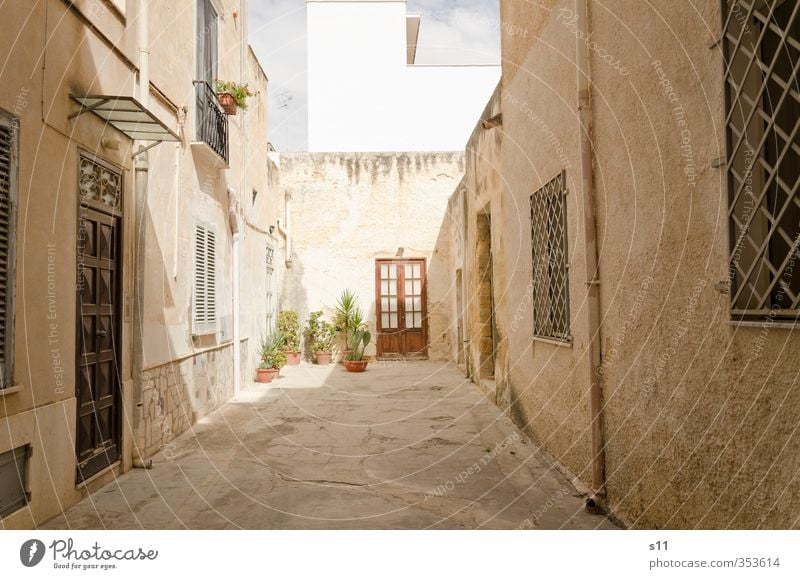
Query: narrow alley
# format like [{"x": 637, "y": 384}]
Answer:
[{"x": 406, "y": 446}]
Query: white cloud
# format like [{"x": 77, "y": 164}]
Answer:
[{"x": 452, "y": 32}]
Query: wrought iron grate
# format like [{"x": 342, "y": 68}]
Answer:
[
  {"x": 550, "y": 268},
  {"x": 212, "y": 122},
  {"x": 761, "y": 44}
]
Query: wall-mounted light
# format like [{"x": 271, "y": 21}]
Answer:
[
  {"x": 271, "y": 229},
  {"x": 493, "y": 122}
]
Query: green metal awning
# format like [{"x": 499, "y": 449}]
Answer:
[{"x": 127, "y": 115}]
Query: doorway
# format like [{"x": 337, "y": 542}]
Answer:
[
  {"x": 99, "y": 259},
  {"x": 460, "y": 358},
  {"x": 401, "y": 308},
  {"x": 488, "y": 332}
]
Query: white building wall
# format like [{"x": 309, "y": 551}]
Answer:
[{"x": 363, "y": 94}]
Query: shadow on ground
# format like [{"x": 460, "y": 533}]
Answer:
[{"x": 403, "y": 446}]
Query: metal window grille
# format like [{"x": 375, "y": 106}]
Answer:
[
  {"x": 761, "y": 44},
  {"x": 205, "y": 280},
  {"x": 550, "y": 267},
  {"x": 9, "y": 155},
  {"x": 270, "y": 288}
]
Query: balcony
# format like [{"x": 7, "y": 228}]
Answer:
[{"x": 211, "y": 137}]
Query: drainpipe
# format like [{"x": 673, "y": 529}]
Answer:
[
  {"x": 141, "y": 176},
  {"x": 286, "y": 232},
  {"x": 237, "y": 338},
  {"x": 233, "y": 220},
  {"x": 592, "y": 264}
]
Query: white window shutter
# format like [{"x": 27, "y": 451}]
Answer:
[
  {"x": 211, "y": 280},
  {"x": 205, "y": 280}
]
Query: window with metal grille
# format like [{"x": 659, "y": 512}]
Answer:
[
  {"x": 761, "y": 44},
  {"x": 550, "y": 267},
  {"x": 9, "y": 154},
  {"x": 270, "y": 291},
  {"x": 205, "y": 280},
  {"x": 13, "y": 480}
]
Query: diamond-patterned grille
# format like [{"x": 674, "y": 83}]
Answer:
[
  {"x": 550, "y": 268},
  {"x": 761, "y": 44}
]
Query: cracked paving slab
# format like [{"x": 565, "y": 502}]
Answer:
[{"x": 403, "y": 446}]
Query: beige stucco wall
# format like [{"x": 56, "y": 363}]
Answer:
[
  {"x": 184, "y": 186},
  {"x": 700, "y": 414},
  {"x": 349, "y": 209}
]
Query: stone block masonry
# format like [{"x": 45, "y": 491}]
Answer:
[{"x": 177, "y": 394}]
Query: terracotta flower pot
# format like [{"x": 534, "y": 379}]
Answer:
[
  {"x": 345, "y": 354},
  {"x": 355, "y": 365},
  {"x": 292, "y": 358},
  {"x": 263, "y": 375},
  {"x": 274, "y": 373},
  {"x": 324, "y": 358},
  {"x": 228, "y": 103}
]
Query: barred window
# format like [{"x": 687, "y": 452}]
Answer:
[
  {"x": 9, "y": 154},
  {"x": 761, "y": 44},
  {"x": 270, "y": 290},
  {"x": 550, "y": 267},
  {"x": 204, "y": 306}
]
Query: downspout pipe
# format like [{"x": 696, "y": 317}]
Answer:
[
  {"x": 141, "y": 178},
  {"x": 233, "y": 220},
  {"x": 286, "y": 231},
  {"x": 593, "y": 357}
]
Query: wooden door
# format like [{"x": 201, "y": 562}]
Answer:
[
  {"x": 401, "y": 306},
  {"x": 98, "y": 361}
]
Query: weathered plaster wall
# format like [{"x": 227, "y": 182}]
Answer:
[
  {"x": 40, "y": 409},
  {"x": 349, "y": 209},
  {"x": 700, "y": 414},
  {"x": 190, "y": 186},
  {"x": 183, "y": 187}
]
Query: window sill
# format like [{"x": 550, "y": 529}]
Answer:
[
  {"x": 94, "y": 477},
  {"x": 766, "y": 325},
  {"x": 9, "y": 391},
  {"x": 553, "y": 342}
]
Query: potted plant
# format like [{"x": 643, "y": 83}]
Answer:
[
  {"x": 232, "y": 96},
  {"x": 263, "y": 373},
  {"x": 272, "y": 357},
  {"x": 289, "y": 326},
  {"x": 349, "y": 319},
  {"x": 356, "y": 362},
  {"x": 321, "y": 335}
]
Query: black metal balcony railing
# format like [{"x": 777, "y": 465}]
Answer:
[{"x": 212, "y": 122}]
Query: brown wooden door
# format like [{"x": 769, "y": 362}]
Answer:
[
  {"x": 401, "y": 305},
  {"x": 98, "y": 380}
]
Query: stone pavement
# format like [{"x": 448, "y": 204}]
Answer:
[{"x": 403, "y": 446}]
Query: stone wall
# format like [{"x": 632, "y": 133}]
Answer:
[
  {"x": 700, "y": 413},
  {"x": 349, "y": 209},
  {"x": 176, "y": 395}
]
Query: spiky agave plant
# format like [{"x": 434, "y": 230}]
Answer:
[
  {"x": 361, "y": 341},
  {"x": 346, "y": 309}
]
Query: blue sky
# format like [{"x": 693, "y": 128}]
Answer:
[{"x": 453, "y": 32}]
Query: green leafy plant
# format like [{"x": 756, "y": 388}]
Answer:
[
  {"x": 361, "y": 340},
  {"x": 239, "y": 92},
  {"x": 320, "y": 333},
  {"x": 349, "y": 318},
  {"x": 289, "y": 326},
  {"x": 271, "y": 351}
]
